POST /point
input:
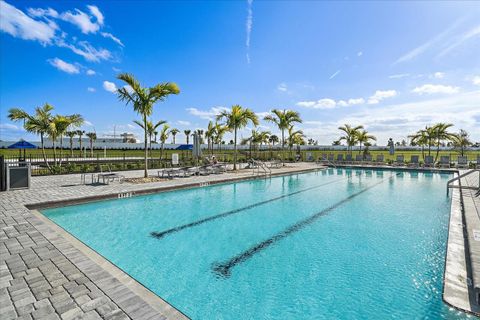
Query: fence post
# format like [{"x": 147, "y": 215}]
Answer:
[{"x": 123, "y": 160}]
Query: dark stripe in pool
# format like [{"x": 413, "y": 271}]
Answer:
[
  {"x": 224, "y": 269},
  {"x": 161, "y": 234}
]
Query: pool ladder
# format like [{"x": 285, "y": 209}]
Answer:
[
  {"x": 449, "y": 183},
  {"x": 260, "y": 167}
]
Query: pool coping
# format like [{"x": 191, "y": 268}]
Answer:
[
  {"x": 138, "y": 288},
  {"x": 151, "y": 298},
  {"x": 457, "y": 276}
]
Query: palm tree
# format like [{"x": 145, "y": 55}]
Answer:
[
  {"x": 441, "y": 134},
  {"x": 80, "y": 133},
  {"x": 363, "y": 138},
  {"x": 295, "y": 137},
  {"x": 71, "y": 135},
  {"x": 420, "y": 138},
  {"x": 237, "y": 118},
  {"x": 220, "y": 131},
  {"x": 284, "y": 120},
  {"x": 151, "y": 130},
  {"x": 209, "y": 134},
  {"x": 59, "y": 126},
  {"x": 92, "y": 136},
  {"x": 163, "y": 137},
  {"x": 187, "y": 135},
  {"x": 273, "y": 139},
  {"x": 461, "y": 141},
  {"x": 350, "y": 135},
  {"x": 142, "y": 99},
  {"x": 174, "y": 132},
  {"x": 37, "y": 123},
  {"x": 199, "y": 133}
]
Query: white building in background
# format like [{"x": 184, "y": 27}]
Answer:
[{"x": 123, "y": 138}]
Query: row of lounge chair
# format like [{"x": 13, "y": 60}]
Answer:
[
  {"x": 193, "y": 171},
  {"x": 462, "y": 161}
]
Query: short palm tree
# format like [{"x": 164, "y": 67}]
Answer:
[
  {"x": 350, "y": 135},
  {"x": 295, "y": 137},
  {"x": 80, "y": 133},
  {"x": 209, "y": 135},
  {"x": 441, "y": 134},
  {"x": 143, "y": 99},
  {"x": 284, "y": 119},
  {"x": 273, "y": 139},
  {"x": 461, "y": 141},
  {"x": 420, "y": 138},
  {"x": 71, "y": 135},
  {"x": 174, "y": 132},
  {"x": 164, "y": 133},
  {"x": 59, "y": 126},
  {"x": 187, "y": 135},
  {"x": 37, "y": 123},
  {"x": 237, "y": 118},
  {"x": 220, "y": 131},
  {"x": 92, "y": 136},
  {"x": 151, "y": 130},
  {"x": 364, "y": 138}
]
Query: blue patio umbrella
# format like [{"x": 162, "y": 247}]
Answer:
[
  {"x": 185, "y": 147},
  {"x": 22, "y": 144}
]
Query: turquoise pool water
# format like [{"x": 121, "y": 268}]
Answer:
[{"x": 334, "y": 244}]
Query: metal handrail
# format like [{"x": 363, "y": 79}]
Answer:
[
  {"x": 260, "y": 165},
  {"x": 328, "y": 162},
  {"x": 449, "y": 182}
]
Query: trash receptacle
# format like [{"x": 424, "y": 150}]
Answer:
[{"x": 18, "y": 177}]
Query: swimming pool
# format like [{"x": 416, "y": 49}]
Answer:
[{"x": 332, "y": 244}]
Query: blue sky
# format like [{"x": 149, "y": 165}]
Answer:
[{"x": 391, "y": 66}]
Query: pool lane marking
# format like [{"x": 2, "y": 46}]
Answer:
[
  {"x": 224, "y": 269},
  {"x": 161, "y": 234}
]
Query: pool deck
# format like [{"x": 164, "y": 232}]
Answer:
[
  {"x": 45, "y": 273},
  {"x": 462, "y": 267}
]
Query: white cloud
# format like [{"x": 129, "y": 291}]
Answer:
[
  {"x": 64, "y": 66},
  {"x": 325, "y": 103},
  {"x": 81, "y": 20},
  {"x": 359, "y": 53},
  {"x": 399, "y": 76},
  {"x": 435, "y": 88},
  {"x": 109, "y": 86},
  {"x": 96, "y": 13},
  {"x": 19, "y": 25},
  {"x": 351, "y": 102},
  {"x": 87, "y": 51},
  {"x": 439, "y": 75},
  {"x": 87, "y": 123},
  {"x": 472, "y": 33},
  {"x": 8, "y": 126},
  {"x": 380, "y": 95},
  {"x": 183, "y": 123},
  {"x": 39, "y": 12},
  {"x": 425, "y": 46},
  {"x": 208, "y": 114},
  {"x": 282, "y": 87},
  {"x": 90, "y": 89},
  {"x": 476, "y": 80},
  {"x": 111, "y": 36},
  {"x": 116, "y": 69},
  {"x": 249, "y": 25},
  {"x": 334, "y": 74},
  {"x": 90, "y": 72}
]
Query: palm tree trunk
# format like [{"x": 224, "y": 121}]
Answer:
[
  {"x": 91, "y": 148},
  {"x": 283, "y": 147},
  {"x": 235, "y": 149},
  {"x": 145, "y": 173},
  {"x": 71, "y": 146},
  {"x": 43, "y": 152},
  {"x": 438, "y": 150},
  {"x": 61, "y": 149}
]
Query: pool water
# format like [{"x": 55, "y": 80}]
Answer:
[{"x": 332, "y": 244}]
